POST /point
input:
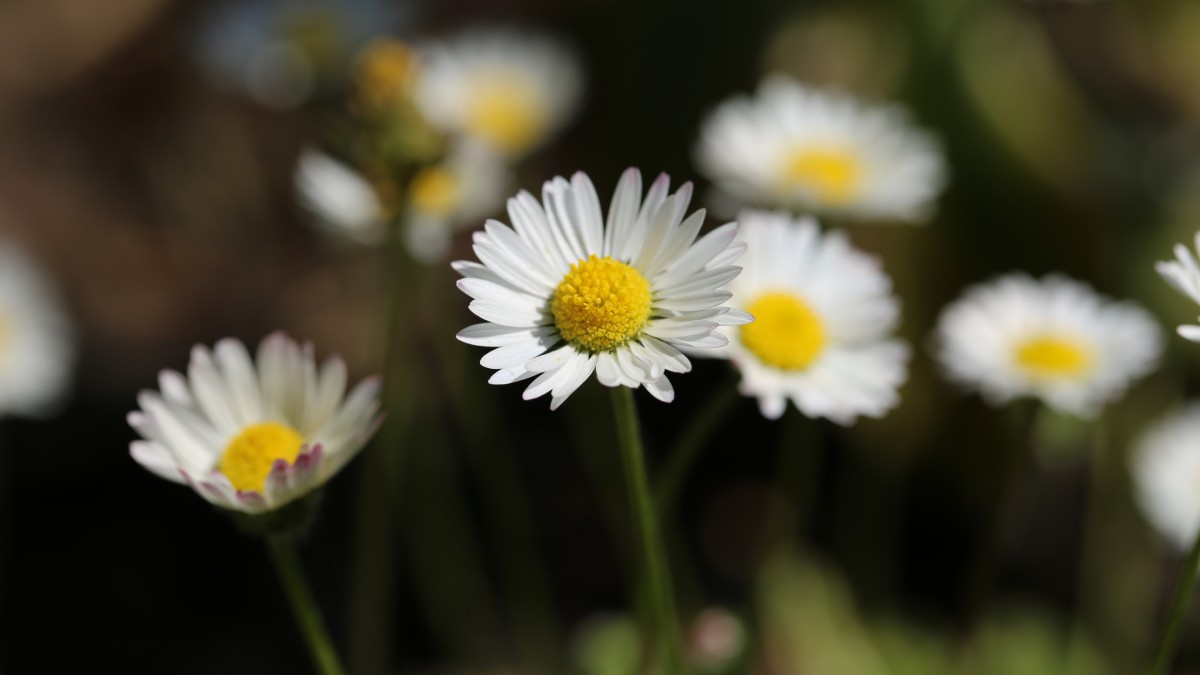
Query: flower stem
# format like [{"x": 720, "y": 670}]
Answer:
[
  {"x": 1183, "y": 598},
  {"x": 287, "y": 563},
  {"x": 657, "y": 583},
  {"x": 699, "y": 429}
]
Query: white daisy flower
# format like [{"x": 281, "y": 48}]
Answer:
[
  {"x": 341, "y": 200},
  {"x": 469, "y": 184},
  {"x": 1183, "y": 274},
  {"x": 803, "y": 148},
  {"x": 1053, "y": 339},
  {"x": 565, "y": 292},
  {"x": 824, "y": 317},
  {"x": 1165, "y": 468},
  {"x": 254, "y": 438},
  {"x": 511, "y": 90},
  {"x": 36, "y": 350}
]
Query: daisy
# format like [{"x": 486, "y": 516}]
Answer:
[
  {"x": 1165, "y": 468},
  {"x": 253, "y": 438},
  {"x": 824, "y": 318},
  {"x": 803, "y": 148},
  {"x": 470, "y": 183},
  {"x": 1183, "y": 274},
  {"x": 341, "y": 200},
  {"x": 564, "y": 292},
  {"x": 508, "y": 89},
  {"x": 36, "y": 351},
  {"x": 1053, "y": 339}
]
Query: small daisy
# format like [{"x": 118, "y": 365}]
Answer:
[
  {"x": 341, "y": 200},
  {"x": 565, "y": 292},
  {"x": 253, "y": 438},
  {"x": 1053, "y": 339},
  {"x": 36, "y": 351},
  {"x": 508, "y": 89},
  {"x": 823, "y": 322},
  {"x": 1165, "y": 468},
  {"x": 803, "y": 148},
  {"x": 469, "y": 184},
  {"x": 1184, "y": 276}
]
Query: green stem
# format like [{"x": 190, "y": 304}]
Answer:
[
  {"x": 683, "y": 454},
  {"x": 1183, "y": 598},
  {"x": 646, "y": 521},
  {"x": 287, "y": 563}
]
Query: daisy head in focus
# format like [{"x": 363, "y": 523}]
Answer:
[
  {"x": 1183, "y": 274},
  {"x": 36, "y": 350},
  {"x": 254, "y": 437},
  {"x": 508, "y": 89},
  {"x": 566, "y": 291},
  {"x": 811, "y": 150},
  {"x": 1052, "y": 339},
  {"x": 1165, "y": 469},
  {"x": 824, "y": 318}
]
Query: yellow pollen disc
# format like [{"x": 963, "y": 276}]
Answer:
[
  {"x": 248, "y": 459},
  {"x": 385, "y": 68},
  {"x": 1053, "y": 357},
  {"x": 435, "y": 190},
  {"x": 507, "y": 114},
  {"x": 834, "y": 175},
  {"x": 601, "y": 303},
  {"x": 786, "y": 332}
]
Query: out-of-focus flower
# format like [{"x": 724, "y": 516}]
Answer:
[
  {"x": 803, "y": 148},
  {"x": 385, "y": 74},
  {"x": 341, "y": 200},
  {"x": 36, "y": 351},
  {"x": 1184, "y": 276},
  {"x": 565, "y": 293},
  {"x": 1053, "y": 339},
  {"x": 469, "y": 184},
  {"x": 823, "y": 322},
  {"x": 253, "y": 438},
  {"x": 511, "y": 90},
  {"x": 279, "y": 52},
  {"x": 716, "y": 640},
  {"x": 1164, "y": 466}
]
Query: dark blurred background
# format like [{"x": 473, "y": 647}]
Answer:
[{"x": 161, "y": 202}]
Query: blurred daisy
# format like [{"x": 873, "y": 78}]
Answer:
[
  {"x": 1165, "y": 467},
  {"x": 341, "y": 200},
  {"x": 1053, "y": 339},
  {"x": 469, "y": 184},
  {"x": 1184, "y": 276},
  {"x": 511, "y": 90},
  {"x": 823, "y": 322},
  {"x": 253, "y": 438},
  {"x": 803, "y": 148},
  {"x": 565, "y": 293},
  {"x": 279, "y": 52},
  {"x": 36, "y": 352}
]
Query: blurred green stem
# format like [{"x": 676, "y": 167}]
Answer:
[
  {"x": 697, "y": 431},
  {"x": 1184, "y": 589},
  {"x": 287, "y": 563},
  {"x": 798, "y": 459},
  {"x": 646, "y": 522}
]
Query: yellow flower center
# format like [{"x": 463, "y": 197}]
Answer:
[
  {"x": 786, "y": 332},
  {"x": 435, "y": 190},
  {"x": 508, "y": 114},
  {"x": 385, "y": 69},
  {"x": 834, "y": 175},
  {"x": 1053, "y": 357},
  {"x": 248, "y": 460},
  {"x": 601, "y": 303}
]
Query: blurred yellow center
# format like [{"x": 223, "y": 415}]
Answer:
[
  {"x": 1049, "y": 356},
  {"x": 601, "y": 303},
  {"x": 507, "y": 114},
  {"x": 435, "y": 190},
  {"x": 248, "y": 460},
  {"x": 786, "y": 332},
  {"x": 385, "y": 69},
  {"x": 834, "y": 175}
]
